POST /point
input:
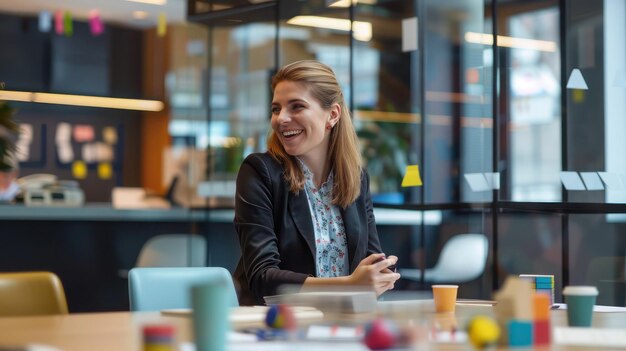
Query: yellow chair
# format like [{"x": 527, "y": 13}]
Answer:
[{"x": 31, "y": 293}]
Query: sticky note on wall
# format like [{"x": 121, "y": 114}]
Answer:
[
  {"x": 412, "y": 176},
  {"x": 409, "y": 34},
  {"x": 79, "y": 170},
  {"x": 105, "y": 171},
  {"x": 162, "y": 25}
]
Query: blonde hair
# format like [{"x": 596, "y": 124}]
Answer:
[{"x": 343, "y": 149}]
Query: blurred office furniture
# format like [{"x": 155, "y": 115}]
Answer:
[
  {"x": 462, "y": 259},
  {"x": 172, "y": 250},
  {"x": 31, "y": 294},
  {"x": 608, "y": 274},
  {"x": 156, "y": 288}
]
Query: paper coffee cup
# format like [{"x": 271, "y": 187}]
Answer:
[
  {"x": 580, "y": 301},
  {"x": 445, "y": 297}
]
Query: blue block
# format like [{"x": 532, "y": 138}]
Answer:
[
  {"x": 520, "y": 333},
  {"x": 544, "y": 286}
]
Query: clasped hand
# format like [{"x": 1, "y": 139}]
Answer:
[{"x": 374, "y": 272}]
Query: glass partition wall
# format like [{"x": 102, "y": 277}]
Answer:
[{"x": 510, "y": 109}]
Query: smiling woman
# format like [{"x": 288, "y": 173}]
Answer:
[
  {"x": 303, "y": 210},
  {"x": 307, "y": 97},
  {"x": 302, "y": 126}
]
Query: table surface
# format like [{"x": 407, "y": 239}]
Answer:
[{"x": 122, "y": 330}]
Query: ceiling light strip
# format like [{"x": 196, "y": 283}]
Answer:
[
  {"x": 83, "y": 100},
  {"x": 511, "y": 42},
  {"x": 362, "y": 31},
  {"x": 151, "y": 2}
]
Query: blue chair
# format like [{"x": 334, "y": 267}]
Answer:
[{"x": 155, "y": 289}]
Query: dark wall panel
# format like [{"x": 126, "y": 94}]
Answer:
[{"x": 24, "y": 55}]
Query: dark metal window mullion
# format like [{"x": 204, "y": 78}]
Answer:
[
  {"x": 420, "y": 14},
  {"x": 564, "y": 163},
  {"x": 495, "y": 140}
]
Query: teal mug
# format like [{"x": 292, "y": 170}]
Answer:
[{"x": 580, "y": 301}]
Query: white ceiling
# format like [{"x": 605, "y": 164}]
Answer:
[{"x": 111, "y": 11}]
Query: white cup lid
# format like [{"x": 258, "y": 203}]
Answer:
[
  {"x": 445, "y": 286},
  {"x": 580, "y": 290}
]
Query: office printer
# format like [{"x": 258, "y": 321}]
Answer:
[{"x": 46, "y": 190}]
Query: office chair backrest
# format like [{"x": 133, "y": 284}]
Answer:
[
  {"x": 31, "y": 294},
  {"x": 173, "y": 250},
  {"x": 463, "y": 258},
  {"x": 155, "y": 289}
]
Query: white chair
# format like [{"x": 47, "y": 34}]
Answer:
[
  {"x": 173, "y": 250},
  {"x": 462, "y": 259}
]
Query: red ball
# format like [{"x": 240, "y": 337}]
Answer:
[{"x": 380, "y": 334}]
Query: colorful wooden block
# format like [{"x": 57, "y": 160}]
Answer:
[
  {"x": 520, "y": 333},
  {"x": 541, "y": 332},
  {"x": 541, "y": 307},
  {"x": 514, "y": 301}
]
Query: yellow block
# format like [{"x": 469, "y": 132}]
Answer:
[{"x": 412, "y": 177}]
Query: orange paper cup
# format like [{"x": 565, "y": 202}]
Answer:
[{"x": 445, "y": 297}]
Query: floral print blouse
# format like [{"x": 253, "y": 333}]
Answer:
[{"x": 331, "y": 243}]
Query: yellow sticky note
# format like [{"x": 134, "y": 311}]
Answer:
[
  {"x": 67, "y": 24},
  {"x": 162, "y": 25},
  {"x": 79, "y": 170},
  {"x": 412, "y": 177},
  {"x": 105, "y": 171},
  {"x": 578, "y": 95}
]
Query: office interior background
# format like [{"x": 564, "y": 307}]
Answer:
[{"x": 475, "y": 93}]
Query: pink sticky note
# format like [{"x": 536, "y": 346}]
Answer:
[
  {"x": 58, "y": 22},
  {"x": 95, "y": 23},
  {"x": 83, "y": 133}
]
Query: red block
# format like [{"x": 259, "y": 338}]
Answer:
[{"x": 541, "y": 332}]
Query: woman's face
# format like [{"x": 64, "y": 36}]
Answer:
[{"x": 299, "y": 121}]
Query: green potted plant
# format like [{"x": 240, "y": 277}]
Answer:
[{"x": 385, "y": 151}]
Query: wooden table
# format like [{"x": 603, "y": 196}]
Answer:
[
  {"x": 85, "y": 331},
  {"x": 122, "y": 330}
]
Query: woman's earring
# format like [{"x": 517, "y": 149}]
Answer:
[{"x": 328, "y": 126}]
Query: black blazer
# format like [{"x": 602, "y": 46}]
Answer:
[{"x": 275, "y": 230}]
